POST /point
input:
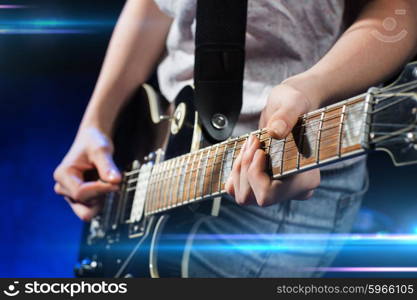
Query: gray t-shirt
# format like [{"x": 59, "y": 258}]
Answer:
[{"x": 284, "y": 38}]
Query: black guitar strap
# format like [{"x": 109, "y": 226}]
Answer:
[{"x": 219, "y": 65}]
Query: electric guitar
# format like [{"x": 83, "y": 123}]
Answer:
[{"x": 185, "y": 182}]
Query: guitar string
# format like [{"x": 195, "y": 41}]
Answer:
[
  {"x": 227, "y": 150},
  {"x": 306, "y": 125},
  {"x": 399, "y": 86},
  {"x": 194, "y": 179},
  {"x": 211, "y": 187},
  {"x": 352, "y": 102},
  {"x": 195, "y": 173},
  {"x": 214, "y": 160},
  {"x": 264, "y": 131},
  {"x": 186, "y": 171},
  {"x": 282, "y": 141}
]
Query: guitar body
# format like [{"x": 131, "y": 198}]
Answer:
[{"x": 111, "y": 249}]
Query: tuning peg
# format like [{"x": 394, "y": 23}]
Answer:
[
  {"x": 135, "y": 164},
  {"x": 412, "y": 137}
]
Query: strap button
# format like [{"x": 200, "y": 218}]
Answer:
[{"x": 219, "y": 121}]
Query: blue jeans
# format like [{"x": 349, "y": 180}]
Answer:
[{"x": 238, "y": 242}]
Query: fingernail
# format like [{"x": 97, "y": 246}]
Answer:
[
  {"x": 112, "y": 174},
  {"x": 279, "y": 127}
]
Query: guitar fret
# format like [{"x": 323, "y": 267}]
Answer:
[
  {"x": 154, "y": 188},
  {"x": 267, "y": 144},
  {"x": 174, "y": 182},
  {"x": 212, "y": 169},
  {"x": 161, "y": 186},
  {"x": 342, "y": 120},
  {"x": 301, "y": 143},
  {"x": 234, "y": 152},
  {"x": 183, "y": 179},
  {"x": 194, "y": 176},
  {"x": 282, "y": 155},
  {"x": 229, "y": 158},
  {"x": 169, "y": 183},
  {"x": 323, "y": 114},
  {"x": 178, "y": 180},
  {"x": 168, "y": 169},
  {"x": 221, "y": 168},
  {"x": 190, "y": 176},
  {"x": 202, "y": 182},
  {"x": 158, "y": 187},
  {"x": 269, "y": 147},
  {"x": 209, "y": 166},
  {"x": 197, "y": 175}
]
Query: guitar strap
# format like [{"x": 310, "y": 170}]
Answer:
[{"x": 219, "y": 65}]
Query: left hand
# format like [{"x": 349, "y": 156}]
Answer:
[{"x": 248, "y": 182}]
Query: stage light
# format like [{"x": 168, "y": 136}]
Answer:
[
  {"x": 54, "y": 26},
  {"x": 9, "y": 6}
]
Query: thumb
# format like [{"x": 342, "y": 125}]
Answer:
[
  {"x": 107, "y": 170},
  {"x": 286, "y": 117}
]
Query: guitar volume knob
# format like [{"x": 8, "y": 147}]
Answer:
[{"x": 86, "y": 268}]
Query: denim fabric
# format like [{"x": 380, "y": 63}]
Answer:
[{"x": 332, "y": 209}]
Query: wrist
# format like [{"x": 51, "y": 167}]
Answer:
[
  {"x": 96, "y": 121},
  {"x": 101, "y": 114},
  {"x": 311, "y": 86}
]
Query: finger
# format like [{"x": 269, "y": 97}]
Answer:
[
  {"x": 298, "y": 187},
  {"x": 285, "y": 118},
  {"x": 72, "y": 185},
  {"x": 60, "y": 190},
  {"x": 304, "y": 196},
  {"x": 246, "y": 195},
  {"x": 259, "y": 180},
  {"x": 229, "y": 187},
  {"x": 88, "y": 192},
  {"x": 84, "y": 212},
  {"x": 107, "y": 170},
  {"x": 69, "y": 180},
  {"x": 92, "y": 190}
]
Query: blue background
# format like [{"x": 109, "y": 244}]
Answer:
[{"x": 45, "y": 83}]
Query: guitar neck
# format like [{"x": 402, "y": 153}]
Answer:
[{"x": 321, "y": 137}]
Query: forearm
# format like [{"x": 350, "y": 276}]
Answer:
[
  {"x": 136, "y": 45},
  {"x": 360, "y": 59}
]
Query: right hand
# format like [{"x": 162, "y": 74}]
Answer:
[{"x": 92, "y": 149}]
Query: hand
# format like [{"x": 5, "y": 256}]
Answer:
[
  {"x": 92, "y": 149},
  {"x": 249, "y": 183}
]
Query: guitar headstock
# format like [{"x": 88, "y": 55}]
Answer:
[{"x": 393, "y": 118}]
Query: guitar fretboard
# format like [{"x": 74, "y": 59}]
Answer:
[{"x": 320, "y": 137}]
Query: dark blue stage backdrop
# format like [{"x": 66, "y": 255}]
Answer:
[{"x": 50, "y": 55}]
